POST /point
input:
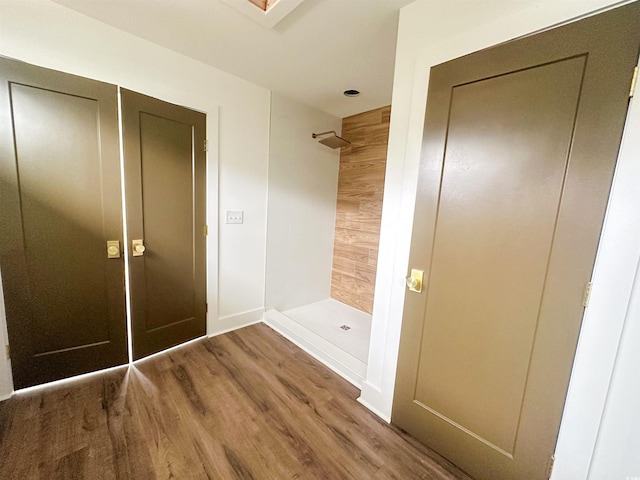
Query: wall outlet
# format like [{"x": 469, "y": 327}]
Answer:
[{"x": 234, "y": 216}]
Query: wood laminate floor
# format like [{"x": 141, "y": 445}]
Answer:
[{"x": 244, "y": 405}]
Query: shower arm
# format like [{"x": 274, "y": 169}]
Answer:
[{"x": 316, "y": 135}]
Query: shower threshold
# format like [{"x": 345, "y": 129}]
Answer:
[{"x": 332, "y": 332}]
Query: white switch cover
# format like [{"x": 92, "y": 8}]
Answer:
[{"x": 234, "y": 216}]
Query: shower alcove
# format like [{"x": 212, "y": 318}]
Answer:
[{"x": 323, "y": 224}]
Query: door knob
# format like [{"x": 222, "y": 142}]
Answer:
[
  {"x": 137, "y": 248},
  {"x": 113, "y": 249},
  {"x": 414, "y": 281}
]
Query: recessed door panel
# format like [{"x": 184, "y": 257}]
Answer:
[
  {"x": 519, "y": 149},
  {"x": 168, "y": 220},
  {"x": 62, "y": 233},
  {"x": 61, "y": 204},
  {"x": 496, "y": 219},
  {"x": 165, "y": 188}
]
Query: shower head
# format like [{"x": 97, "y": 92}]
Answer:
[{"x": 333, "y": 140}]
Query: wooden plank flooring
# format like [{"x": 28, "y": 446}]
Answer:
[{"x": 244, "y": 405}]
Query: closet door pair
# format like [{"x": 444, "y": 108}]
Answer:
[{"x": 62, "y": 245}]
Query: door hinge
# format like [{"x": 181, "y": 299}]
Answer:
[
  {"x": 552, "y": 460},
  {"x": 587, "y": 294},
  {"x": 206, "y": 308},
  {"x": 634, "y": 81},
  {"x": 206, "y": 230},
  {"x": 206, "y": 145},
  {"x": 7, "y": 352}
]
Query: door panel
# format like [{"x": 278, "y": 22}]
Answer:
[
  {"x": 165, "y": 188},
  {"x": 170, "y": 287},
  {"x": 497, "y": 213},
  {"x": 519, "y": 150},
  {"x": 61, "y": 202}
]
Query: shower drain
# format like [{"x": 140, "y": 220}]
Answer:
[{"x": 345, "y": 327}]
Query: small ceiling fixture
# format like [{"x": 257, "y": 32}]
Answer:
[{"x": 351, "y": 93}]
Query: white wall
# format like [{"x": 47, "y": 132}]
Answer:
[
  {"x": 617, "y": 452},
  {"x": 432, "y": 32},
  {"x": 303, "y": 186},
  {"x": 606, "y": 346},
  {"x": 49, "y": 35}
]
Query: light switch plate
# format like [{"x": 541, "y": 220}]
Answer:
[{"x": 234, "y": 216}]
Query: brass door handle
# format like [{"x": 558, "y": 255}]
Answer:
[
  {"x": 113, "y": 249},
  {"x": 414, "y": 281},
  {"x": 137, "y": 248}
]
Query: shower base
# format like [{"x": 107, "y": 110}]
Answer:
[{"x": 334, "y": 333}]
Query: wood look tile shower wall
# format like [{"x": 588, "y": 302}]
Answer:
[{"x": 359, "y": 208}]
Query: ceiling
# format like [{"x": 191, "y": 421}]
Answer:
[{"x": 317, "y": 51}]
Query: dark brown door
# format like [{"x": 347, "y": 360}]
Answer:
[
  {"x": 165, "y": 190},
  {"x": 520, "y": 145},
  {"x": 60, "y": 202}
]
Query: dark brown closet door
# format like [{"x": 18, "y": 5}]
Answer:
[
  {"x": 60, "y": 202},
  {"x": 519, "y": 149},
  {"x": 165, "y": 190}
]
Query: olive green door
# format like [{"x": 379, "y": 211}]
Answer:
[
  {"x": 519, "y": 150},
  {"x": 164, "y": 151},
  {"x": 60, "y": 203}
]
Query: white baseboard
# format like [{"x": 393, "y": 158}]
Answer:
[
  {"x": 371, "y": 397},
  {"x": 374, "y": 410},
  {"x": 234, "y": 322},
  {"x": 347, "y": 366},
  {"x": 5, "y": 396}
]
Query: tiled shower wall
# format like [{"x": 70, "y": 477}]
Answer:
[{"x": 359, "y": 208}]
